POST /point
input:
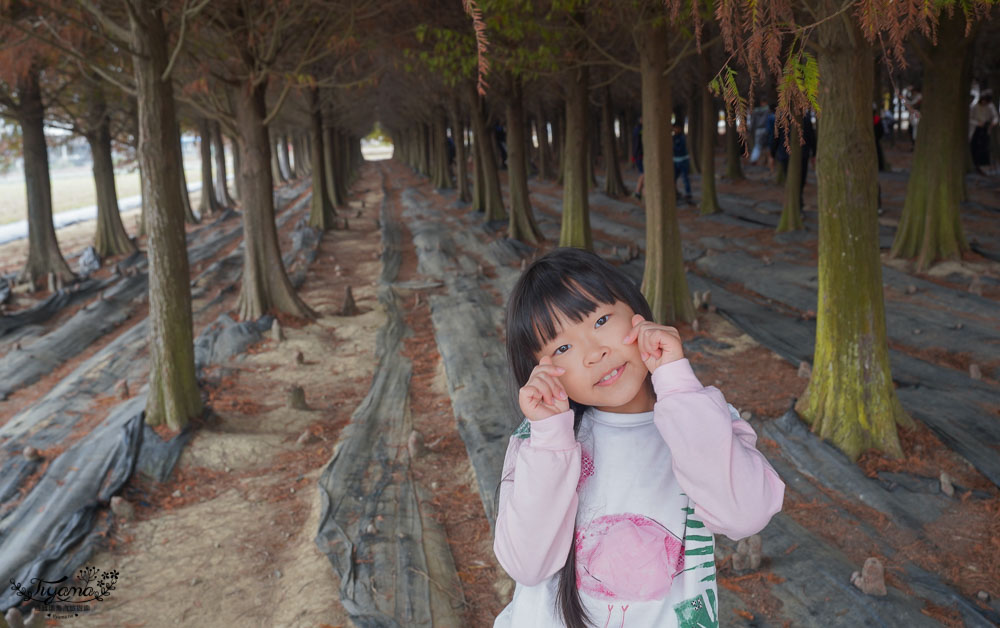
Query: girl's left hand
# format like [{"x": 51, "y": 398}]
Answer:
[{"x": 658, "y": 344}]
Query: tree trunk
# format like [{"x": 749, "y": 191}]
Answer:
[
  {"x": 850, "y": 400},
  {"x": 322, "y": 215},
  {"x": 694, "y": 131},
  {"x": 284, "y": 161},
  {"x": 110, "y": 238},
  {"x": 663, "y": 283},
  {"x": 330, "y": 167},
  {"x": 173, "y": 390},
  {"x": 189, "y": 215},
  {"x": 522, "y": 225},
  {"x": 709, "y": 130},
  {"x": 575, "y": 229},
  {"x": 277, "y": 172},
  {"x": 613, "y": 185},
  {"x": 559, "y": 143},
  {"x": 734, "y": 152},
  {"x": 236, "y": 168},
  {"x": 208, "y": 205},
  {"x": 43, "y": 248},
  {"x": 544, "y": 148},
  {"x": 221, "y": 177},
  {"x": 791, "y": 211},
  {"x": 930, "y": 227},
  {"x": 461, "y": 163},
  {"x": 490, "y": 188},
  {"x": 143, "y": 203},
  {"x": 442, "y": 168},
  {"x": 266, "y": 287},
  {"x": 478, "y": 184}
]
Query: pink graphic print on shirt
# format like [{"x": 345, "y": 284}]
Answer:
[
  {"x": 586, "y": 468},
  {"x": 627, "y": 557}
]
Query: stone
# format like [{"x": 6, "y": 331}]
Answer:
[
  {"x": 871, "y": 580},
  {"x": 746, "y": 415},
  {"x": 983, "y": 596},
  {"x": 975, "y": 372},
  {"x": 30, "y": 453},
  {"x": 415, "y": 445},
  {"x": 349, "y": 308},
  {"x": 911, "y": 289},
  {"x": 805, "y": 370},
  {"x": 435, "y": 486},
  {"x": 14, "y": 618},
  {"x": 277, "y": 573},
  {"x": 299, "y": 358},
  {"x": 371, "y": 529},
  {"x": 88, "y": 262},
  {"x": 195, "y": 581},
  {"x": 947, "y": 487},
  {"x": 121, "y": 389},
  {"x": 277, "y": 333},
  {"x": 748, "y": 554},
  {"x": 122, "y": 508},
  {"x": 306, "y": 438},
  {"x": 297, "y": 398},
  {"x": 176, "y": 493},
  {"x": 976, "y": 286}
]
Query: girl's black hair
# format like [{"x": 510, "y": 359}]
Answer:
[{"x": 568, "y": 283}]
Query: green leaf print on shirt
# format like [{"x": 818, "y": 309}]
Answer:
[
  {"x": 523, "y": 430},
  {"x": 695, "y": 613}
]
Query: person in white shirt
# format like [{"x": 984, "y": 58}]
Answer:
[{"x": 982, "y": 117}]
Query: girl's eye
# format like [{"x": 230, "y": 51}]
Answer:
[
  {"x": 602, "y": 320},
  {"x": 562, "y": 349}
]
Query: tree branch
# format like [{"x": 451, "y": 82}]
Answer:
[{"x": 112, "y": 28}]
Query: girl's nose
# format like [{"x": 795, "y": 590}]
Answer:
[{"x": 595, "y": 355}]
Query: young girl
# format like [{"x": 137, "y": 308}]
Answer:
[{"x": 625, "y": 465}]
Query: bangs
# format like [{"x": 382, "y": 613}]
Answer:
[{"x": 552, "y": 298}]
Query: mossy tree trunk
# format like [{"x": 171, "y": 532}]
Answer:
[
  {"x": 613, "y": 185},
  {"x": 791, "y": 210},
  {"x": 734, "y": 152},
  {"x": 930, "y": 228},
  {"x": 694, "y": 130},
  {"x": 322, "y": 216},
  {"x": 265, "y": 286},
  {"x": 110, "y": 239},
  {"x": 850, "y": 400},
  {"x": 329, "y": 167},
  {"x": 174, "y": 397},
  {"x": 221, "y": 176},
  {"x": 44, "y": 256},
  {"x": 209, "y": 204},
  {"x": 663, "y": 282},
  {"x": 575, "y": 229},
  {"x": 478, "y": 185},
  {"x": 461, "y": 158},
  {"x": 708, "y": 128},
  {"x": 521, "y": 225},
  {"x": 490, "y": 188}
]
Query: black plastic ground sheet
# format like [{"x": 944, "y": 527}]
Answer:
[{"x": 393, "y": 560}]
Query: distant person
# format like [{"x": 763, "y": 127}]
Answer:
[
  {"x": 879, "y": 129},
  {"x": 982, "y": 117},
  {"x": 913, "y": 99},
  {"x": 682, "y": 161},
  {"x": 501, "y": 136},
  {"x": 637, "y": 156}
]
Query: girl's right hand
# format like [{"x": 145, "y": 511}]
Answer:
[{"x": 543, "y": 396}]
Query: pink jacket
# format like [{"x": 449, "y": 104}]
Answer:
[{"x": 734, "y": 489}]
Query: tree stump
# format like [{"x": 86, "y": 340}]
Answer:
[
  {"x": 349, "y": 308},
  {"x": 297, "y": 398}
]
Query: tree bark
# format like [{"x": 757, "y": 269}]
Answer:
[
  {"x": 694, "y": 131},
  {"x": 559, "y": 143},
  {"x": 322, "y": 216},
  {"x": 110, "y": 238},
  {"x": 173, "y": 390},
  {"x": 663, "y": 282},
  {"x": 709, "y": 131},
  {"x": 44, "y": 256},
  {"x": 461, "y": 158},
  {"x": 441, "y": 171},
  {"x": 266, "y": 287},
  {"x": 850, "y": 400},
  {"x": 791, "y": 211},
  {"x": 575, "y": 229},
  {"x": 734, "y": 151},
  {"x": 209, "y": 204},
  {"x": 522, "y": 225},
  {"x": 330, "y": 168},
  {"x": 490, "y": 188},
  {"x": 930, "y": 228},
  {"x": 613, "y": 185},
  {"x": 222, "y": 177}
]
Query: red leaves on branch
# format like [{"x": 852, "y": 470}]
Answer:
[{"x": 473, "y": 11}]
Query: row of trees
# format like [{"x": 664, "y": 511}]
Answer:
[{"x": 565, "y": 72}]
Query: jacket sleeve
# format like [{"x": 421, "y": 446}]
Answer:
[
  {"x": 733, "y": 487},
  {"x": 537, "y": 509}
]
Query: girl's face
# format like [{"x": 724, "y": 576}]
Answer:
[{"x": 601, "y": 371}]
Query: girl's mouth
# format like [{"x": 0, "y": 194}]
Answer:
[{"x": 611, "y": 376}]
